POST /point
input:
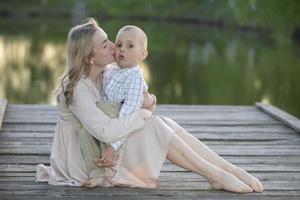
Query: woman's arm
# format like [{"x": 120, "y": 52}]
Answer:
[{"x": 97, "y": 123}]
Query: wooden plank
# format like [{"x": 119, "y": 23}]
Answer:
[
  {"x": 62, "y": 192},
  {"x": 231, "y": 117},
  {"x": 205, "y": 196},
  {"x": 257, "y": 143},
  {"x": 3, "y": 104},
  {"x": 280, "y": 115},
  {"x": 221, "y": 150},
  {"x": 172, "y": 168},
  {"x": 182, "y": 111},
  {"x": 235, "y": 159},
  {"x": 175, "y": 176},
  {"x": 16, "y": 142},
  {"x": 270, "y": 129},
  {"x": 204, "y": 137},
  {"x": 188, "y": 123},
  {"x": 162, "y": 188}
]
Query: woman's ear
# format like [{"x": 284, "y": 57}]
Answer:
[{"x": 89, "y": 60}]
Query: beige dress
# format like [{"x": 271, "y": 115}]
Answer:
[{"x": 141, "y": 156}]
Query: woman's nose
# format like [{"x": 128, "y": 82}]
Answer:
[{"x": 112, "y": 46}]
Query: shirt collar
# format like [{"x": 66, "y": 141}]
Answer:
[{"x": 131, "y": 68}]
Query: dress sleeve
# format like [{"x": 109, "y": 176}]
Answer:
[{"x": 97, "y": 123}]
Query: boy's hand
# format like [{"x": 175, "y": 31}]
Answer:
[
  {"x": 149, "y": 101},
  {"x": 153, "y": 106},
  {"x": 109, "y": 158}
]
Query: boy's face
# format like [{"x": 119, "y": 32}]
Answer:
[{"x": 130, "y": 49}]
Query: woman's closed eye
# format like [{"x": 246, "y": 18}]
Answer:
[{"x": 104, "y": 45}]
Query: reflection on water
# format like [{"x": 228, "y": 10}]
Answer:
[
  {"x": 28, "y": 74},
  {"x": 187, "y": 64}
]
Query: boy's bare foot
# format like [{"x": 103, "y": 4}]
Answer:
[
  {"x": 92, "y": 182},
  {"x": 247, "y": 178},
  {"x": 229, "y": 182}
]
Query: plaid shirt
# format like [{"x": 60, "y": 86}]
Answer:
[{"x": 124, "y": 86}]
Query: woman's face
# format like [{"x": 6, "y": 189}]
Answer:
[{"x": 104, "y": 49}]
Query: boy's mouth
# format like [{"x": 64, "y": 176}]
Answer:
[{"x": 121, "y": 57}]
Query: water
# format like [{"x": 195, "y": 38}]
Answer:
[{"x": 187, "y": 63}]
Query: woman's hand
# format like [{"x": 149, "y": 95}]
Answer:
[
  {"x": 149, "y": 101},
  {"x": 109, "y": 158}
]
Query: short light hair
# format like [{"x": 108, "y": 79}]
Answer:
[{"x": 140, "y": 31}]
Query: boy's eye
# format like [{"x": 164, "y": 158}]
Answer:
[
  {"x": 130, "y": 46},
  {"x": 119, "y": 45}
]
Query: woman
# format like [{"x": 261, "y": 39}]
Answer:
[{"x": 150, "y": 139}]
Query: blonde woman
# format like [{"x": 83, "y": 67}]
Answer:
[{"x": 150, "y": 139}]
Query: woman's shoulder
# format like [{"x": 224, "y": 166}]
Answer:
[{"x": 83, "y": 83}]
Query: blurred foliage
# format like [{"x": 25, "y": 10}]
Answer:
[{"x": 188, "y": 63}]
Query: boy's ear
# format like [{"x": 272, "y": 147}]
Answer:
[{"x": 144, "y": 54}]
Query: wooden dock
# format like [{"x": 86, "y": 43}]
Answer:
[{"x": 261, "y": 139}]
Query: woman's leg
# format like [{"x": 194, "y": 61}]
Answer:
[
  {"x": 182, "y": 155},
  {"x": 202, "y": 150}
]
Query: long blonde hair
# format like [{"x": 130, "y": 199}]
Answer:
[{"x": 80, "y": 46}]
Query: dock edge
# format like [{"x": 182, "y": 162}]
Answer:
[
  {"x": 280, "y": 115},
  {"x": 3, "y": 104}
]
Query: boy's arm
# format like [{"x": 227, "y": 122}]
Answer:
[
  {"x": 133, "y": 101},
  {"x": 116, "y": 145},
  {"x": 133, "y": 96}
]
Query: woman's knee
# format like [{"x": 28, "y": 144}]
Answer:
[{"x": 171, "y": 123}]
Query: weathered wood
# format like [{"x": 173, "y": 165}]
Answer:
[
  {"x": 280, "y": 115},
  {"x": 3, "y": 104},
  {"x": 175, "y": 176},
  {"x": 173, "y": 168},
  {"x": 235, "y": 159},
  {"x": 160, "y": 197},
  {"x": 243, "y": 135},
  {"x": 219, "y": 128},
  {"x": 56, "y": 192},
  {"x": 163, "y": 186},
  {"x": 221, "y": 150},
  {"x": 23, "y": 142}
]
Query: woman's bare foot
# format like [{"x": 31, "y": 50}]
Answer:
[
  {"x": 247, "y": 178},
  {"x": 92, "y": 182},
  {"x": 229, "y": 182}
]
